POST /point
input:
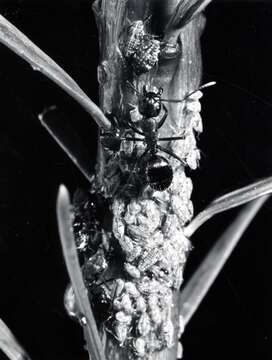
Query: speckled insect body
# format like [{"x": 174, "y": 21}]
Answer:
[
  {"x": 146, "y": 56},
  {"x": 141, "y": 50},
  {"x": 135, "y": 35}
]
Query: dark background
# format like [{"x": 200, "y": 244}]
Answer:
[{"x": 234, "y": 321}]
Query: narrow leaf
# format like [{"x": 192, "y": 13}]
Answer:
[
  {"x": 14, "y": 39},
  {"x": 64, "y": 215},
  {"x": 66, "y": 137},
  {"x": 200, "y": 283},
  {"x": 9, "y": 345},
  {"x": 229, "y": 201},
  {"x": 185, "y": 11}
]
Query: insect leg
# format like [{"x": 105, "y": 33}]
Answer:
[
  {"x": 161, "y": 122},
  {"x": 171, "y": 153},
  {"x": 132, "y": 139},
  {"x": 134, "y": 128},
  {"x": 172, "y": 138}
]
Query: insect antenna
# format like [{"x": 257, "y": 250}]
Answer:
[
  {"x": 171, "y": 153},
  {"x": 147, "y": 19},
  {"x": 223, "y": 82},
  {"x": 204, "y": 86},
  {"x": 133, "y": 87}
]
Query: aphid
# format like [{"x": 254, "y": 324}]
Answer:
[
  {"x": 154, "y": 170},
  {"x": 123, "y": 318},
  {"x": 144, "y": 325},
  {"x": 146, "y": 56},
  {"x": 141, "y": 49},
  {"x": 139, "y": 347},
  {"x": 167, "y": 333},
  {"x": 121, "y": 331},
  {"x": 140, "y": 304},
  {"x": 154, "y": 309},
  {"x": 121, "y": 327},
  {"x": 149, "y": 259},
  {"x": 132, "y": 270},
  {"x": 127, "y": 304},
  {"x": 135, "y": 34},
  {"x": 132, "y": 290}
]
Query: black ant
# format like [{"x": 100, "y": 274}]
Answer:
[{"x": 153, "y": 168}]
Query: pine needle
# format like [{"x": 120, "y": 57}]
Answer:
[
  {"x": 229, "y": 201},
  {"x": 200, "y": 283},
  {"x": 9, "y": 345},
  {"x": 64, "y": 215},
  {"x": 15, "y": 40},
  {"x": 185, "y": 11}
]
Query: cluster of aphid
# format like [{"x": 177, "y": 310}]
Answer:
[
  {"x": 136, "y": 308},
  {"x": 147, "y": 232},
  {"x": 134, "y": 248},
  {"x": 155, "y": 252}
]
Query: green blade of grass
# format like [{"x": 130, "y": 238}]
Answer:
[
  {"x": 64, "y": 215},
  {"x": 201, "y": 281},
  {"x": 229, "y": 201},
  {"x": 9, "y": 345},
  {"x": 16, "y": 41}
]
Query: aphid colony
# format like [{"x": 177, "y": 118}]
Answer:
[
  {"x": 148, "y": 255},
  {"x": 146, "y": 249},
  {"x": 132, "y": 244}
]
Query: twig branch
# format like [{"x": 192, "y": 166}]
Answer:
[
  {"x": 64, "y": 215},
  {"x": 205, "y": 275},
  {"x": 229, "y": 201},
  {"x": 14, "y": 39}
]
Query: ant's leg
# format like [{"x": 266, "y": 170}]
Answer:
[
  {"x": 172, "y": 138},
  {"x": 134, "y": 168},
  {"x": 114, "y": 121},
  {"x": 110, "y": 136},
  {"x": 134, "y": 128},
  {"x": 132, "y": 139},
  {"x": 171, "y": 153},
  {"x": 162, "y": 121}
]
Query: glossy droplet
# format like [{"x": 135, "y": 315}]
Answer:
[
  {"x": 170, "y": 50},
  {"x": 70, "y": 303}
]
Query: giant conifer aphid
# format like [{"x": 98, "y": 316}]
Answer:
[{"x": 141, "y": 49}]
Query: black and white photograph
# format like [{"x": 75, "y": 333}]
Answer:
[{"x": 135, "y": 179}]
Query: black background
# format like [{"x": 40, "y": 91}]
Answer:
[{"x": 234, "y": 321}]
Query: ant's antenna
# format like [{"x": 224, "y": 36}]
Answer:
[
  {"x": 204, "y": 86},
  {"x": 133, "y": 87},
  {"x": 147, "y": 19}
]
